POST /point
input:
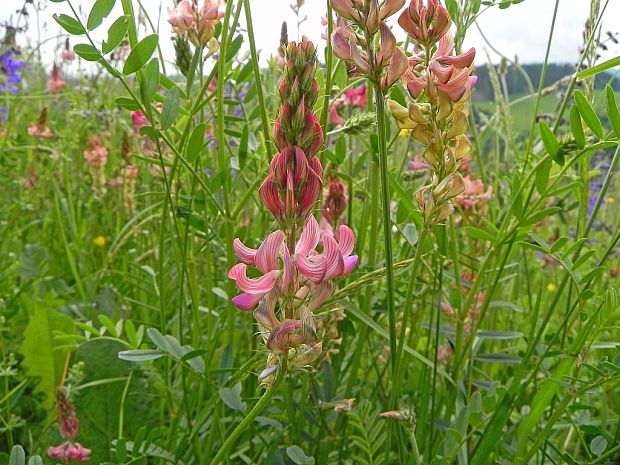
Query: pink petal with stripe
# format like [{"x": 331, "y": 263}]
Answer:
[
  {"x": 244, "y": 253},
  {"x": 260, "y": 285},
  {"x": 269, "y": 252},
  {"x": 309, "y": 237}
]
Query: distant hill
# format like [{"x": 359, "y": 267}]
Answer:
[{"x": 517, "y": 84}]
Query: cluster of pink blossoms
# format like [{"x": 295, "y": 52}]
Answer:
[
  {"x": 353, "y": 97},
  {"x": 69, "y": 425},
  {"x": 440, "y": 84},
  {"x": 353, "y": 40},
  {"x": 41, "y": 129},
  {"x": 298, "y": 262},
  {"x": 197, "y": 24},
  {"x": 55, "y": 83},
  {"x": 67, "y": 54},
  {"x": 96, "y": 158}
]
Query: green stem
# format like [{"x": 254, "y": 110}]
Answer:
[
  {"x": 387, "y": 222},
  {"x": 250, "y": 417}
]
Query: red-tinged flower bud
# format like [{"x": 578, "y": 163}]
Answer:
[
  {"x": 310, "y": 192},
  {"x": 372, "y": 19},
  {"x": 346, "y": 9},
  {"x": 387, "y": 45},
  {"x": 271, "y": 198},
  {"x": 278, "y": 134},
  {"x": 335, "y": 201},
  {"x": 427, "y": 23},
  {"x": 360, "y": 60},
  {"x": 342, "y": 40},
  {"x": 396, "y": 68},
  {"x": 389, "y": 8}
]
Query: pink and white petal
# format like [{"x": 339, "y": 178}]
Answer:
[
  {"x": 347, "y": 240},
  {"x": 244, "y": 253},
  {"x": 269, "y": 251},
  {"x": 334, "y": 263},
  {"x": 313, "y": 269},
  {"x": 309, "y": 237},
  {"x": 259, "y": 285}
]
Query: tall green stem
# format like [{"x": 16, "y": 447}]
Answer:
[{"x": 250, "y": 417}]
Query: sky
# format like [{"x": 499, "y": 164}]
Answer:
[{"x": 521, "y": 30}]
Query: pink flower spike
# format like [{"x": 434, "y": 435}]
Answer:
[
  {"x": 244, "y": 253},
  {"x": 260, "y": 285},
  {"x": 267, "y": 256},
  {"x": 310, "y": 236}
]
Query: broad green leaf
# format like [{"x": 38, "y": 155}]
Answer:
[
  {"x": 40, "y": 357},
  {"x": 340, "y": 76},
  {"x": 576, "y": 127},
  {"x": 35, "y": 460},
  {"x": 540, "y": 215},
  {"x": 588, "y": 114},
  {"x": 140, "y": 54},
  {"x": 196, "y": 142},
  {"x": 150, "y": 81},
  {"x": 598, "y": 445},
  {"x": 140, "y": 355},
  {"x": 551, "y": 143},
  {"x": 69, "y": 24},
  {"x": 100, "y": 10},
  {"x": 98, "y": 404},
  {"x": 87, "y": 52},
  {"x": 542, "y": 176},
  {"x": 171, "y": 108},
  {"x": 586, "y": 73},
  {"x": 116, "y": 32},
  {"x": 232, "y": 397},
  {"x": 613, "y": 114},
  {"x": 234, "y": 47},
  {"x": 479, "y": 234},
  {"x": 297, "y": 455},
  {"x": 18, "y": 456},
  {"x": 127, "y": 103}
]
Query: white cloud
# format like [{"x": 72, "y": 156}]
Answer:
[{"x": 519, "y": 30}]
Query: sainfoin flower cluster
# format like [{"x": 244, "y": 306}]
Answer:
[
  {"x": 353, "y": 40},
  {"x": 197, "y": 24},
  {"x": 298, "y": 262},
  {"x": 96, "y": 157},
  {"x": 440, "y": 83},
  {"x": 69, "y": 425}
]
